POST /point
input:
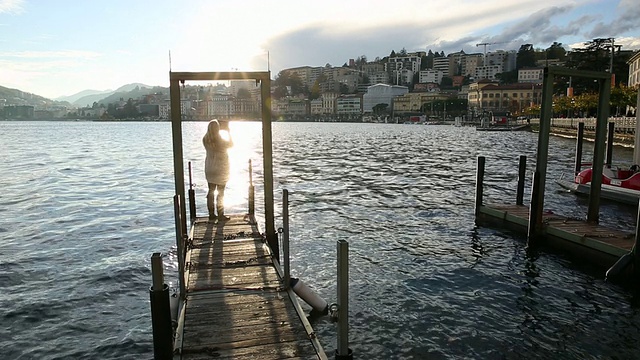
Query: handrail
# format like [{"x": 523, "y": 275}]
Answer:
[{"x": 622, "y": 124}]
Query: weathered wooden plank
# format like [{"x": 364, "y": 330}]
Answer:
[
  {"x": 286, "y": 350},
  {"x": 201, "y": 335},
  {"x": 212, "y": 306},
  {"x": 236, "y": 297},
  {"x": 233, "y": 275},
  {"x": 195, "y": 342},
  {"x": 223, "y": 321}
]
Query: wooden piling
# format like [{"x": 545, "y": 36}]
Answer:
[
  {"x": 610, "y": 133},
  {"x": 579, "y": 139},
  {"x": 522, "y": 168},
  {"x": 252, "y": 191},
  {"x": 343, "y": 352},
  {"x": 192, "y": 196},
  {"x": 479, "y": 183},
  {"x": 160, "y": 312},
  {"x": 285, "y": 237},
  {"x": 180, "y": 246},
  {"x": 535, "y": 214}
]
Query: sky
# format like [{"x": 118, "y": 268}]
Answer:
[{"x": 57, "y": 48}]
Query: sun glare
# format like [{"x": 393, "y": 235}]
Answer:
[{"x": 247, "y": 145}]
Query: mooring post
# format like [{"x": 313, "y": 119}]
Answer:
[
  {"x": 177, "y": 207},
  {"x": 533, "y": 231},
  {"x": 610, "y": 133},
  {"x": 522, "y": 168},
  {"x": 160, "y": 311},
  {"x": 579, "y": 139},
  {"x": 252, "y": 191},
  {"x": 285, "y": 237},
  {"x": 192, "y": 196},
  {"x": 634, "y": 249},
  {"x": 479, "y": 183},
  {"x": 343, "y": 352}
]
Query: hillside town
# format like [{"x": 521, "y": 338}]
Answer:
[{"x": 402, "y": 84}]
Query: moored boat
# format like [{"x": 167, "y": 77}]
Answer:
[{"x": 619, "y": 184}]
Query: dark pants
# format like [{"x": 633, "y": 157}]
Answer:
[{"x": 218, "y": 204}]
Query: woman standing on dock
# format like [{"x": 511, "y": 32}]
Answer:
[{"x": 216, "y": 167}]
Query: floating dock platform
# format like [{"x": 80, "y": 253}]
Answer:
[{"x": 595, "y": 243}]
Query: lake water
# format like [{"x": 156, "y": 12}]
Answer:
[{"x": 84, "y": 205}]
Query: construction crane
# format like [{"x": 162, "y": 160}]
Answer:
[{"x": 484, "y": 58}]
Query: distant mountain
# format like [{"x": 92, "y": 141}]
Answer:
[
  {"x": 19, "y": 97},
  {"x": 73, "y": 98},
  {"x": 100, "y": 97},
  {"x": 136, "y": 92}
]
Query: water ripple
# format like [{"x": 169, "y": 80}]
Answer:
[{"x": 83, "y": 211}]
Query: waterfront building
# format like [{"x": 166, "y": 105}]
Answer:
[
  {"x": 506, "y": 60},
  {"x": 402, "y": 67},
  {"x": 236, "y": 85},
  {"x": 220, "y": 105},
  {"x": 329, "y": 102},
  {"x": 488, "y": 72},
  {"x": 490, "y": 96},
  {"x": 424, "y": 87},
  {"x": 164, "y": 110},
  {"x": 381, "y": 94},
  {"x": 372, "y": 68},
  {"x": 530, "y": 75},
  {"x": 455, "y": 63},
  {"x": 413, "y": 102},
  {"x": 634, "y": 70},
  {"x": 470, "y": 63},
  {"x": 19, "y": 111},
  {"x": 430, "y": 76},
  {"x": 379, "y": 78},
  {"x": 315, "y": 106},
  {"x": 441, "y": 64},
  {"x": 349, "y": 105}
]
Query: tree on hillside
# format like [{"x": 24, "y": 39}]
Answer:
[
  {"x": 525, "y": 57},
  {"x": 556, "y": 51},
  {"x": 596, "y": 56},
  {"x": 287, "y": 81},
  {"x": 508, "y": 77},
  {"x": 393, "y": 54}
]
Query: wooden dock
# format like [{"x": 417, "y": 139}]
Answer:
[
  {"x": 236, "y": 304},
  {"x": 602, "y": 246}
]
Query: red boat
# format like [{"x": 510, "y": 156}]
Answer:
[
  {"x": 618, "y": 184},
  {"x": 624, "y": 178}
]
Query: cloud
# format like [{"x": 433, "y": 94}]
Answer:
[
  {"x": 628, "y": 15},
  {"x": 11, "y": 6},
  {"x": 76, "y": 54}
]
